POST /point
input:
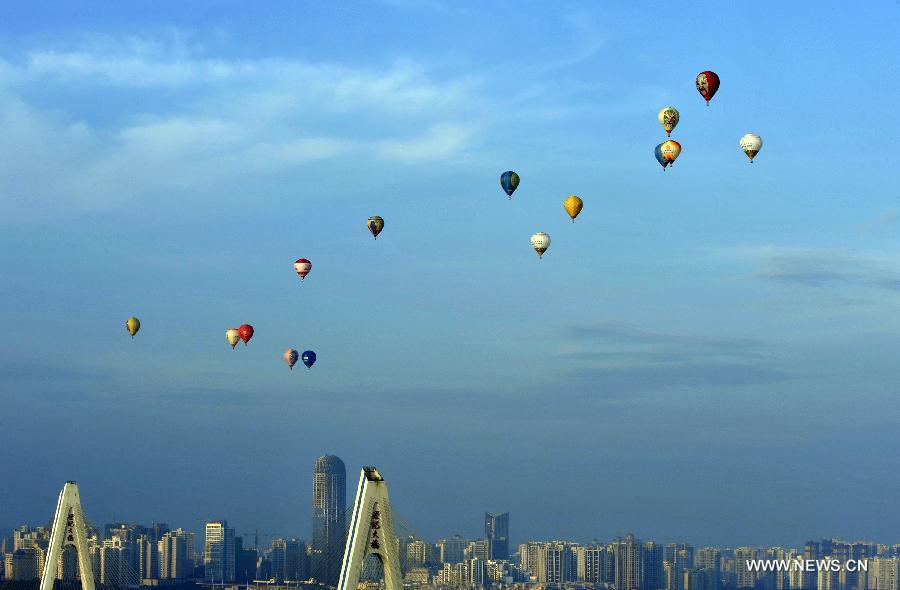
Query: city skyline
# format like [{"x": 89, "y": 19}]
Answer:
[
  {"x": 123, "y": 556},
  {"x": 708, "y": 353}
]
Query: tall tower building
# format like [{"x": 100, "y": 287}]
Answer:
[
  {"x": 652, "y": 563},
  {"x": 329, "y": 502},
  {"x": 496, "y": 531},
  {"x": 746, "y": 577},
  {"x": 174, "y": 549},
  {"x": 218, "y": 552},
  {"x": 627, "y": 555}
]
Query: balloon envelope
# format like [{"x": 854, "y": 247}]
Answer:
[
  {"x": 751, "y": 143},
  {"x": 302, "y": 266},
  {"x": 376, "y": 224},
  {"x": 509, "y": 180},
  {"x": 132, "y": 325},
  {"x": 540, "y": 242},
  {"x": 707, "y": 85},
  {"x": 668, "y": 118},
  {"x": 659, "y": 156},
  {"x": 232, "y": 336},
  {"x": 290, "y": 357},
  {"x": 670, "y": 150},
  {"x": 573, "y": 205},
  {"x": 309, "y": 358},
  {"x": 246, "y": 333}
]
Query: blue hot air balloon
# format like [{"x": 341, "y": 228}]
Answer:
[
  {"x": 509, "y": 180},
  {"x": 659, "y": 157},
  {"x": 309, "y": 358}
]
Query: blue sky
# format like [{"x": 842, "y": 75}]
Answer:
[{"x": 708, "y": 354}]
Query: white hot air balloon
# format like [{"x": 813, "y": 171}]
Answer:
[
  {"x": 540, "y": 242},
  {"x": 751, "y": 144},
  {"x": 232, "y": 335}
]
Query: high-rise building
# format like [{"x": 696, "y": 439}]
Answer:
[
  {"x": 452, "y": 550},
  {"x": 24, "y": 564},
  {"x": 479, "y": 549},
  {"x": 174, "y": 549},
  {"x": 884, "y": 573},
  {"x": 652, "y": 563},
  {"x": 496, "y": 531},
  {"x": 627, "y": 559},
  {"x": 116, "y": 563},
  {"x": 218, "y": 552},
  {"x": 329, "y": 503},
  {"x": 591, "y": 564},
  {"x": 680, "y": 556},
  {"x": 710, "y": 559},
  {"x": 287, "y": 558},
  {"x": 418, "y": 553},
  {"x": 746, "y": 577},
  {"x": 245, "y": 562},
  {"x": 557, "y": 564}
]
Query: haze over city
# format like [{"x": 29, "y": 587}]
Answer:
[{"x": 707, "y": 355}]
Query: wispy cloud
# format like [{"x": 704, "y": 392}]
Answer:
[
  {"x": 616, "y": 359},
  {"x": 819, "y": 268},
  {"x": 886, "y": 218},
  {"x": 215, "y": 121}
]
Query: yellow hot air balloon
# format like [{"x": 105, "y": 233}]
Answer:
[
  {"x": 668, "y": 118},
  {"x": 233, "y": 336},
  {"x": 376, "y": 224},
  {"x": 132, "y": 325},
  {"x": 573, "y": 205},
  {"x": 670, "y": 150}
]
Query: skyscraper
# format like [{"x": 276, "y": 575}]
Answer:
[
  {"x": 652, "y": 575},
  {"x": 173, "y": 549},
  {"x": 218, "y": 552},
  {"x": 496, "y": 531},
  {"x": 329, "y": 502}
]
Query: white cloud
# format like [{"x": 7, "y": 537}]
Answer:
[{"x": 119, "y": 121}]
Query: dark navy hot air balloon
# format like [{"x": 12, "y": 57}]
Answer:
[
  {"x": 309, "y": 358},
  {"x": 509, "y": 180},
  {"x": 659, "y": 157}
]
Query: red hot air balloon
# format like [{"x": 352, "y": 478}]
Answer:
[
  {"x": 707, "y": 85},
  {"x": 302, "y": 266},
  {"x": 246, "y": 333}
]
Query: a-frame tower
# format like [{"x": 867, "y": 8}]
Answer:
[
  {"x": 371, "y": 533},
  {"x": 68, "y": 529}
]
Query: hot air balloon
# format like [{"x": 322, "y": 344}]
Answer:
[
  {"x": 509, "y": 180},
  {"x": 246, "y": 333},
  {"x": 751, "y": 144},
  {"x": 670, "y": 150},
  {"x": 573, "y": 206},
  {"x": 668, "y": 118},
  {"x": 132, "y": 325},
  {"x": 232, "y": 336},
  {"x": 707, "y": 85},
  {"x": 540, "y": 242},
  {"x": 290, "y": 357},
  {"x": 302, "y": 266},
  {"x": 659, "y": 157},
  {"x": 309, "y": 358},
  {"x": 376, "y": 224}
]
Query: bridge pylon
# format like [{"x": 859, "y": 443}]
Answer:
[
  {"x": 68, "y": 529},
  {"x": 371, "y": 533}
]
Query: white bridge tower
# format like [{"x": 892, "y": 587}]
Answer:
[
  {"x": 68, "y": 529},
  {"x": 371, "y": 533}
]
